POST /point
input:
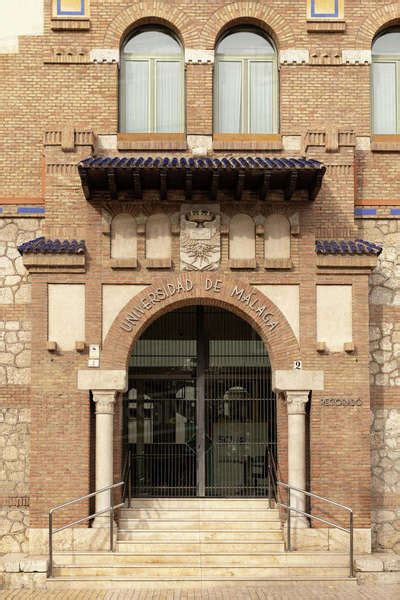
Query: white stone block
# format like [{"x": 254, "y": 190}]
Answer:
[
  {"x": 356, "y": 57},
  {"x": 199, "y": 145},
  {"x": 104, "y": 55},
  {"x": 115, "y": 297},
  {"x": 291, "y": 143},
  {"x": 287, "y": 299},
  {"x": 66, "y": 314},
  {"x": 107, "y": 142},
  {"x": 34, "y": 564},
  {"x": 363, "y": 143},
  {"x": 334, "y": 316},
  {"x": 11, "y": 562},
  {"x": 102, "y": 380},
  {"x": 294, "y": 56},
  {"x": 19, "y": 17},
  {"x": 368, "y": 564},
  {"x": 391, "y": 562},
  {"x": 200, "y": 57},
  {"x": 297, "y": 380}
]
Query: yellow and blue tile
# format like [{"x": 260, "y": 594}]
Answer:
[
  {"x": 325, "y": 9},
  {"x": 70, "y": 8}
]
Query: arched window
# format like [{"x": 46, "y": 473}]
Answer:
[
  {"x": 277, "y": 242},
  {"x": 246, "y": 83},
  {"x": 123, "y": 238},
  {"x": 158, "y": 241},
  {"x": 385, "y": 82},
  {"x": 242, "y": 241},
  {"x": 151, "y": 86}
]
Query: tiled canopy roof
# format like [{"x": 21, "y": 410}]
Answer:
[
  {"x": 234, "y": 174},
  {"x": 347, "y": 247},
  {"x": 258, "y": 162},
  {"x": 41, "y": 245}
]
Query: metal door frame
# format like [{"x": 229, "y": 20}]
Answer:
[{"x": 200, "y": 374}]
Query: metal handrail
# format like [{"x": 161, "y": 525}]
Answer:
[
  {"x": 127, "y": 476},
  {"x": 111, "y": 509},
  {"x": 277, "y": 483}
]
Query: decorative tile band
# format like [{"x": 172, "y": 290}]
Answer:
[
  {"x": 325, "y": 9},
  {"x": 31, "y": 210},
  {"x": 70, "y": 8},
  {"x": 362, "y": 212}
]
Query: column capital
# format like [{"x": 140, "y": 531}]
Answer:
[
  {"x": 296, "y": 402},
  {"x": 104, "y": 401}
]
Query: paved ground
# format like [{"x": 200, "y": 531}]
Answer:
[{"x": 284, "y": 591}]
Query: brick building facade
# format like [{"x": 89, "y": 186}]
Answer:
[{"x": 72, "y": 311}]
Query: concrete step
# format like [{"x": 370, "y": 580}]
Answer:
[
  {"x": 196, "y": 559},
  {"x": 177, "y": 572},
  {"x": 205, "y": 514},
  {"x": 197, "y": 503},
  {"x": 213, "y": 535},
  {"x": 198, "y": 525},
  {"x": 134, "y": 547},
  {"x": 192, "y": 583}
]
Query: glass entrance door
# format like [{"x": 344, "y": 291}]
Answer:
[{"x": 199, "y": 414}]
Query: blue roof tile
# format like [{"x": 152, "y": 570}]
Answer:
[
  {"x": 41, "y": 245},
  {"x": 200, "y": 163},
  {"x": 347, "y": 247}
]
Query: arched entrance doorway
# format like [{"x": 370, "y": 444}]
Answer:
[{"x": 199, "y": 413}]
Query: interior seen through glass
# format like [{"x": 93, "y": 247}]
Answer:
[{"x": 199, "y": 413}]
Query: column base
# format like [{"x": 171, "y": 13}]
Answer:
[
  {"x": 102, "y": 521},
  {"x": 299, "y": 522}
]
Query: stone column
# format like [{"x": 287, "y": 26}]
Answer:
[
  {"x": 296, "y": 404},
  {"x": 104, "y": 401}
]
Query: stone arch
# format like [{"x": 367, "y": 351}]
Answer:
[
  {"x": 254, "y": 13},
  {"x": 280, "y": 341},
  {"x": 141, "y": 13},
  {"x": 379, "y": 19}
]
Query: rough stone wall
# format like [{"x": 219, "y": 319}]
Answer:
[
  {"x": 15, "y": 352},
  {"x": 15, "y": 372},
  {"x": 385, "y": 354},
  {"x": 385, "y": 449},
  {"x": 14, "y": 478},
  {"x": 14, "y": 526},
  {"x": 385, "y": 280},
  {"x": 14, "y": 279},
  {"x": 385, "y": 382}
]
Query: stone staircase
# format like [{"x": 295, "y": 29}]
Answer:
[{"x": 171, "y": 543}]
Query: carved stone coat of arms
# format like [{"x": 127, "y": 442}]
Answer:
[{"x": 200, "y": 247}]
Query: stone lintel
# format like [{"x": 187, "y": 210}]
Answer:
[
  {"x": 297, "y": 380},
  {"x": 102, "y": 380},
  {"x": 199, "y": 57},
  {"x": 104, "y": 55},
  {"x": 294, "y": 56}
]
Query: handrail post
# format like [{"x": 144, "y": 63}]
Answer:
[
  {"x": 269, "y": 486},
  {"x": 111, "y": 528},
  {"x": 351, "y": 545},
  {"x": 50, "y": 544},
  {"x": 129, "y": 477},
  {"x": 289, "y": 541}
]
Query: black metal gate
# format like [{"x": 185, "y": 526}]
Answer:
[{"x": 200, "y": 415}]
